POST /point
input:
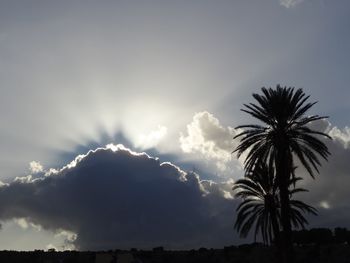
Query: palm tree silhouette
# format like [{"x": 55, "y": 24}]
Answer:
[
  {"x": 283, "y": 135},
  {"x": 261, "y": 205}
]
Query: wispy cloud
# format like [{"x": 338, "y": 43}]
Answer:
[
  {"x": 151, "y": 139},
  {"x": 290, "y": 3}
]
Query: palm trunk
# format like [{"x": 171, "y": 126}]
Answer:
[
  {"x": 286, "y": 237},
  {"x": 276, "y": 230},
  {"x": 275, "y": 226},
  {"x": 283, "y": 177}
]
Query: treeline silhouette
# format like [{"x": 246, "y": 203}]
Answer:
[
  {"x": 318, "y": 245},
  {"x": 322, "y": 236}
]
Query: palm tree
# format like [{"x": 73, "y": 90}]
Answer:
[
  {"x": 261, "y": 205},
  {"x": 283, "y": 135}
]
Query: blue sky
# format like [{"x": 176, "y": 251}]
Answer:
[{"x": 165, "y": 77}]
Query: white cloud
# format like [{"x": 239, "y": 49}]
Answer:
[
  {"x": 151, "y": 139},
  {"x": 207, "y": 138},
  {"x": 22, "y": 222},
  {"x": 290, "y": 3},
  {"x": 2, "y": 184},
  {"x": 324, "y": 204},
  {"x": 342, "y": 135},
  {"x": 35, "y": 167},
  {"x": 24, "y": 179},
  {"x": 69, "y": 238},
  {"x": 69, "y": 235}
]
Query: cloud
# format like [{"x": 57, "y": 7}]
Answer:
[
  {"x": 35, "y": 167},
  {"x": 25, "y": 224},
  {"x": 22, "y": 222},
  {"x": 113, "y": 197},
  {"x": 150, "y": 140},
  {"x": 290, "y": 3},
  {"x": 68, "y": 235},
  {"x": 329, "y": 192},
  {"x": 206, "y": 137}
]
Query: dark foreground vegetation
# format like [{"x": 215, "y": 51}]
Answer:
[
  {"x": 315, "y": 245},
  {"x": 282, "y": 137},
  {"x": 255, "y": 253}
]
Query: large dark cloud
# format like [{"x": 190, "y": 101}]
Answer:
[
  {"x": 115, "y": 198},
  {"x": 330, "y": 189}
]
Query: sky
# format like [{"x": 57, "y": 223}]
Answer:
[{"x": 117, "y": 117}]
